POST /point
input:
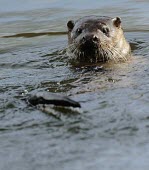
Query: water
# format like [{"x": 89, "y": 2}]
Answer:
[{"x": 111, "y": 129}]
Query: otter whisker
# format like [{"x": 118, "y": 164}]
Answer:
[
  {"x": 115, "y": 55},
  {"x": 96, "y": 56},
  {"x": 119, "y": 56}
]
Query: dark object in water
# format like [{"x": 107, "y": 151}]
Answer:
[{"x": 51, "y": 99}]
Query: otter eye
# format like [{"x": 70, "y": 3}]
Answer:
[
  {"x": 79, "y": 30},
  {"x": 105, "y": 30}
]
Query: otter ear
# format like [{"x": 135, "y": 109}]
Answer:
[
  {"x": 70, "y": 25},
  {"x": 117, "y": 22}
]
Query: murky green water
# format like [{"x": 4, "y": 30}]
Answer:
[{"x": 111, "y": 130}]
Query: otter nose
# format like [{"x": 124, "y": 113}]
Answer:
[
  {"x": 83, "y": 40},
  {"x": 90, "y": 39},
  {"x": 95, "y": 38}
]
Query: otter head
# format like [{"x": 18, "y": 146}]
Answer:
[{"x": 96, "y": 39}]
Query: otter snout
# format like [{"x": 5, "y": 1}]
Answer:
[
  {"x": 90, "y": 38},
  {"x": 89, "y": 41}
]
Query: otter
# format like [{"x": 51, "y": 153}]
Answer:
[{"x": 94, "y": 39}]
